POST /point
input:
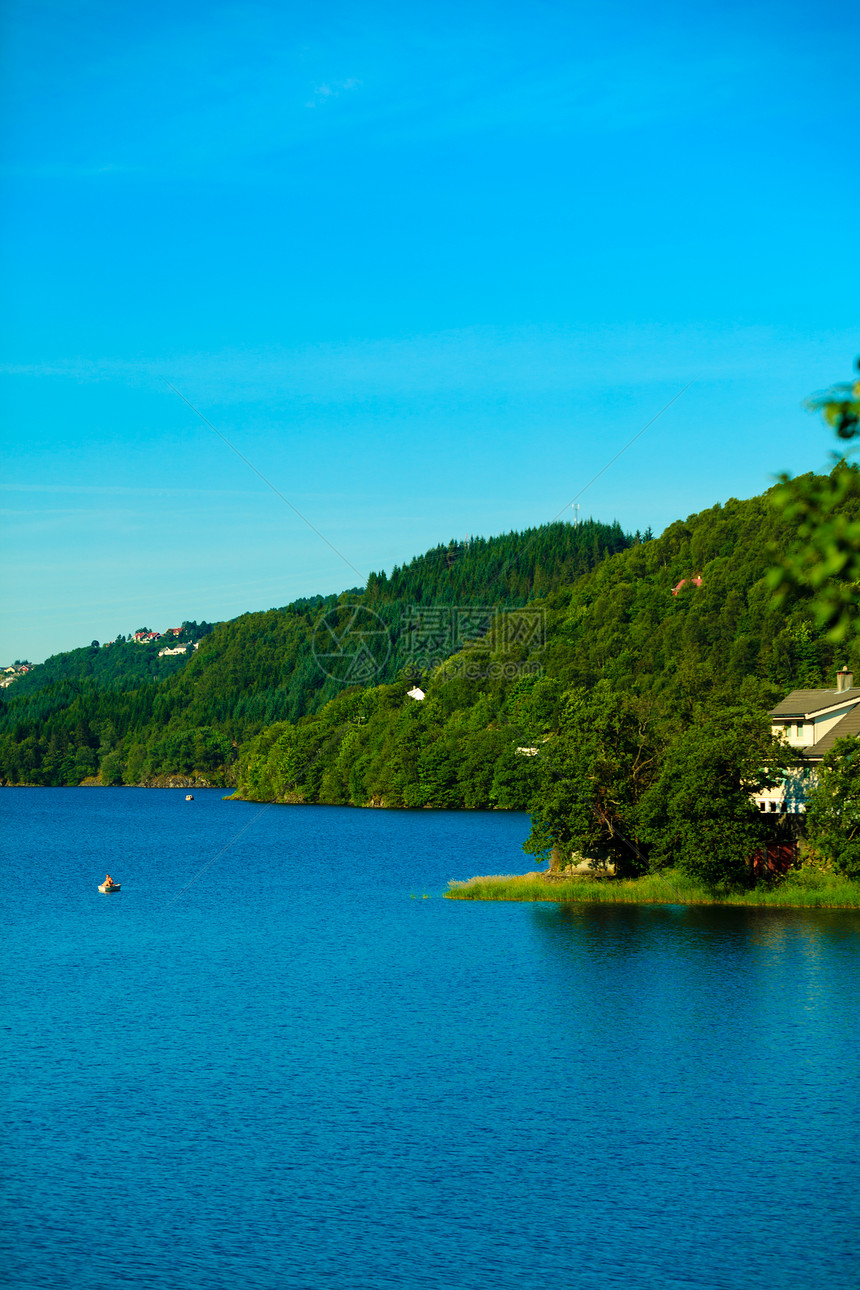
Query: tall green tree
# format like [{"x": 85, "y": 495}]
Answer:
[
  {"x": 833, "y": 811},
  {"x": 699, "y": 815},
  {"x": 825, "y": 512},
  {"x": 591, "y": 776}
]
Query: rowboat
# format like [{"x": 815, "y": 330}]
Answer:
[{"x": 109, "y": 886}]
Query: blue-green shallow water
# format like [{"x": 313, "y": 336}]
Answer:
[{"x": 298, "y": 1076}]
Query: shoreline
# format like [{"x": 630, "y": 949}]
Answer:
[
  {"x": 802, "y": 889},
  {"x": 161, "y": 781}
]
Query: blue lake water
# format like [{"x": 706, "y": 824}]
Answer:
[{"x": 299, "y": 1072}]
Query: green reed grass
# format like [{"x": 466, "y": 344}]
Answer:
[{"x": 810, "y": 888}]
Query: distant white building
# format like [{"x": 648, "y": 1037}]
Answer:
[{"x": 416, "y": 694}]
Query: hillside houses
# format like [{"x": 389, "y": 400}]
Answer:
[
  {"x": 11, "y": 673},
  {"x": 811, "y": 721},
  {"x": 145, "y": 637}
]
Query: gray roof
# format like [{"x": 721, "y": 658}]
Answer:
[
  {"x": 805, "y": 703},
  {"x": 849, "y": 725}
]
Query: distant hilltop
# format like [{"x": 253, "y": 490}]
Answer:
[
  {"x": 145, "y": 635},
  {"x": 187, "y": 634},
  {"x": 177, "y": 640},
  {"x": 117, "y": 663}
]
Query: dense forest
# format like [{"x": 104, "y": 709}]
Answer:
[
  {"x": 680, "y": 623},
  {"x": 127, "y": 716},
  {"x": 641, "y": 708}
]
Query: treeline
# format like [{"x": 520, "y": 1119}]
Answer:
[
  {"x": 127, "y": 716},
  {"x": 511, "y": 569},
  {"x": 644, "y": 711}
]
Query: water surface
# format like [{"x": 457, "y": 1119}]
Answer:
[{"x": 300, "y": 1073}]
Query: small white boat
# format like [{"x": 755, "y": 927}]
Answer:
[{"x": 109, "y": 886}]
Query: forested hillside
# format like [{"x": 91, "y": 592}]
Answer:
[
  {"x": 673, "y": 649},
  {"x": 114, "y": 713},
  {"x": 511, "y": 570}
]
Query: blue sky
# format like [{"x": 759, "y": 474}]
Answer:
[{"x": 427, "y": 266}]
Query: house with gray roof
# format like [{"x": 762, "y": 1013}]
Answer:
[{"x": 811, "y": 721}]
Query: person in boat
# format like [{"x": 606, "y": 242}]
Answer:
[{"x": 109, "y": 882}]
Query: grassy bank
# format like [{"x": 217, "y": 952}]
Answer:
[{"x": 810, "y": 888}]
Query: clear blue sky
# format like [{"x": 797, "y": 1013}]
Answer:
[{"x": 428, "y": 266}]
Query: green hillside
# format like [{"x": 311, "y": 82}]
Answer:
[
  {"x": 126, "y": 714},
  {"x": 658, "y": 668}
]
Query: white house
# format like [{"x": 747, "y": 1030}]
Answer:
[{"x": 811, "y": 721}]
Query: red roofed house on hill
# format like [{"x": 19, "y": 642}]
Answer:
[{"x": 695, "y": 581}]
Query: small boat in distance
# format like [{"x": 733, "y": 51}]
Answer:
[
  {"x": 109, "y": 885},
  {"x": 189, "y": 797}
]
